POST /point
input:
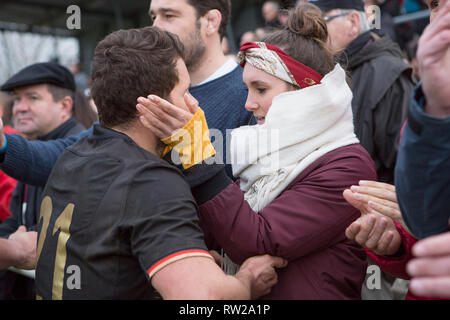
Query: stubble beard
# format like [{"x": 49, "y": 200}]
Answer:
[{"x": 195, "y": 49}]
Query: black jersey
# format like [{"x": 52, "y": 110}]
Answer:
[{"x": 112, "y": 215}]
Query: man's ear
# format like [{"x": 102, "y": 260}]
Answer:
[
  {"x": 355, "y": 20},
  {"x": 213, "y": 21},
  {"x": 67, "y": 103}
]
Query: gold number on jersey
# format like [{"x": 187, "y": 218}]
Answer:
[{"x": 62, "y": 224}]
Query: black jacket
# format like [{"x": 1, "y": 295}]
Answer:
[
  {"x": 26, "y": 199},
  {"x": 382, "y": 88}
]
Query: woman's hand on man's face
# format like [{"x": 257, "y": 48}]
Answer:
[{"x": 162, "y": 117}]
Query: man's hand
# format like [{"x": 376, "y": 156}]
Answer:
[
  {"x": 263, "y": 274},
  {"x": 372, "y": 230},
  {"x": 162, "y": 117},
  {"x": 430, "y": 271},
  {"x": 433, "y": 56},
  {"x": 24, "y": 243},
  {"x": 380, "y": 197}
]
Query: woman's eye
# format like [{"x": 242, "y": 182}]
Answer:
[{"x": 261, "y": 90}]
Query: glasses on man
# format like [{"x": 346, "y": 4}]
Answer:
[{"x": 329, "y": 18}]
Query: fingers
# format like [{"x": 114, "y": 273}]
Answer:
[
  {"x": 386, "y": 210},
  {"x": 352, "y": 198},
  {"x": 429, "y": 267},
  {"x": 217, "y": 257},
  {"x": 433, "y": 246},
  {"x": 152, "y": 123},
  {"x": 278, "y": 262},
  {"x": 22, "y": 229},
  {"x": 385, "y": 244},
  {"x": 353, "y": 230},
  {"x": 377, "y": 185},
  {"x": 435, "y": 37},
  {"x": 349, "y": 196},
  {"x": 431, "y": 287},
  {"x": 191, "y": 103},
  {"x": 377, "y": 232},
  {"x": 384, "y": 194},
  {"x": 163, "y": 107},
  {"x": 162, "y": 116}
]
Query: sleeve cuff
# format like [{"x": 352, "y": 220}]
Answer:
[
  {"x": 211, "y": 187},
  {"x": 3, "y": 150},
  {"x": 419, "y": 120},
  {"x": 192, "y": 142},
  {"x": 175, "y": 257}
]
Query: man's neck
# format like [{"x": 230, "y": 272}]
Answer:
[
  {"x": 212, "y": 60},
  {"x": 142, "y": 137}
]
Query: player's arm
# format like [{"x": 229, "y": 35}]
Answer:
[
  {"x": 169, "y": 245},
  {"x": 31, "y": 161},
  {"x": 199, "y": 278}
]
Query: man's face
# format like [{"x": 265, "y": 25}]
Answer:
[
  {"x": 176, "y": 96},
  {"x": 269, "y": 12},
  {"x": 434, "y": 6},
  {"x": 339, "y": 30},
  {"x": 180, "y": 18},
  {"x": 35, "y": 113}
]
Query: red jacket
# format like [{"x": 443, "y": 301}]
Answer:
[
  {"x": 7, "y": 186},
  {"x": 305, "y": 224}
]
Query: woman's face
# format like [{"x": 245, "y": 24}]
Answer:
[{"x": 262, "y": 88}]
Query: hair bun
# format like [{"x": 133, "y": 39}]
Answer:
[{"x": 306, "y": 20}]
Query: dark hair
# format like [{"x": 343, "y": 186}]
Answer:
[
  {"x": 305, "y": 38},
  {"x": 7, "y": 102},
  {"x": 82, "y": 110},
  {"x": 224, "y": 6},
  {"x": 129, "y": 64},
  {"x": 59, "y": 93}
]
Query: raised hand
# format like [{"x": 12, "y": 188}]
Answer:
[
  {"x": 372, "y": 230},
  {"x": 380, "y": 197},
  {"x": 162, "y": 117},
  {"x": 433, "y": 56}
]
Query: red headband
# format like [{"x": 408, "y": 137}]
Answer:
[{"x": 298, "y": 73}]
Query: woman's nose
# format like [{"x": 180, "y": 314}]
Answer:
[{"x": 250, "y": 105}]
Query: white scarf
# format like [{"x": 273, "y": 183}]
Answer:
[{"x": 300, "y": 127}]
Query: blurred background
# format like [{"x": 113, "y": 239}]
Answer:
[{"x": 36, "y": 31}]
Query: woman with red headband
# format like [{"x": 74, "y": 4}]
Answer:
[{"x": 292, "y": 167}]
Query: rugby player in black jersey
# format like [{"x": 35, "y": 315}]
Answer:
[{"x": 117, "y": 221}]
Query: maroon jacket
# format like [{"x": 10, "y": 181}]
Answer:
[{"x": 305, "y": 224}]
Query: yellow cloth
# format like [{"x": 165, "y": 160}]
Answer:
[{"x": 191, "y": 142}]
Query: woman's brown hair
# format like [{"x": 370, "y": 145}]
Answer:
[{"x": 305, "y": 38}]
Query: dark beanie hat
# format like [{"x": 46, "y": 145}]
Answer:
[
  {"x": 38, "y": 73},
  {"x": 328, "y": 5}
]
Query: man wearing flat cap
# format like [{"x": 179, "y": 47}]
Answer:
[
  {"x": 382, "y": 88},
  {"x": 43, "y": 101}
]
